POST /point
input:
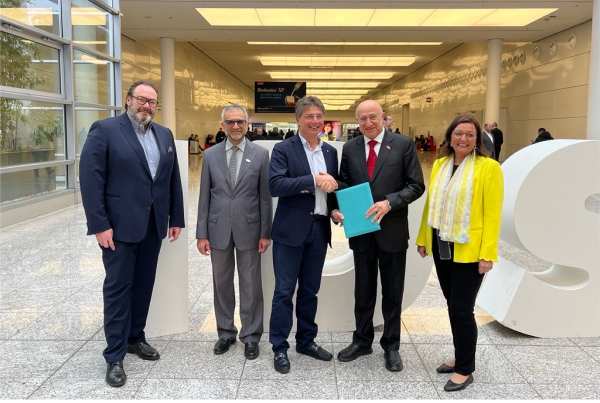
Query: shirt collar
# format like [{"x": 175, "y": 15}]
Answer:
[
  {"x": 137, "y": 126},
  {"x": 306, "y": 145},
  {"x": 241, "y": 146},
  {"x": 379, "y": 137}
]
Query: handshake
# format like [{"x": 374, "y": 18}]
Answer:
[{"x": 326, "y": 182}]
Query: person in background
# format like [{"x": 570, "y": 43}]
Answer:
[
  {"x": 220, "y": 137},
  {"x": 388, "y": 122},
  {"x": 258, "y": 135},
  {"x": 498, "y": 140},
  {"x": 460, "y": 229},
  {"x": 289, "y": 134},
  {"x": 209, "y": 142},
  {"x": 488, "y": 140},
  {"x": 543, "y": 135}
]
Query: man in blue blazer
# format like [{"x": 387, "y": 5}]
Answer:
[
  {"x": 131, "y": 193},
  {"x": 302, "y": 175}
]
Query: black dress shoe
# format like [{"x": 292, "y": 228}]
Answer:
[
  {"x": 251, "y": 350},
  {"x": 222, "y": 346},
  {"x": 445, "y": 369},
  {"x": 281, "y": 363},
  {"x": 352, "y": 352},
  {"x": 115, "y": 374},
  {"x": 316, "y": 351},
  {"x": 453, "y": 387},
  {"x": 393, "y": 362},
  {"x": 143, "y": 350}
]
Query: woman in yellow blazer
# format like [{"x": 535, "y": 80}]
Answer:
[{"x": 460, "y": 229}]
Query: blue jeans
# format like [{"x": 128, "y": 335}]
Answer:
[{"x": 302, "y": 265}]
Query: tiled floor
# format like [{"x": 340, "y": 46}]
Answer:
[{"x": 51, "y": 338}]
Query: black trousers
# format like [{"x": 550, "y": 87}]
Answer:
[
  {"x": 460, "y": 284},
  {"x": 392, "y": 267},
  {"x": 130, "y": 273}
]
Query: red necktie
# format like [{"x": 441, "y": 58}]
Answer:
[{"x": 372, "y": 160}]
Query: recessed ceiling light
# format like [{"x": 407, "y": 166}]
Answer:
[
  {"x": 336, "y": 91},
  {"x": 341, "y": 84},
  {"x": 338, "y": 61},
  {"x": 347, "y": 43},
  {"x": 332, "y": 75},
  {"x": 371, "y": 17}
]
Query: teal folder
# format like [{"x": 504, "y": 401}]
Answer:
[{"x": 354, "y": 203}]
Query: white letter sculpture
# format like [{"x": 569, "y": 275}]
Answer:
[{"x": 549, "y": 188}]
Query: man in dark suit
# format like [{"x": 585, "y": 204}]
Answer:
[
  {"x": 388, "y": 122},
  {"x": 234, "y": 213},
  {"x": 389, "y": 162},
  {"x": 220, "y": 137},
  {"x": 498, "y": 140},
  {"x": 132, "y": 197},
  {"x": 488, "y": 139},
  {"x": 302, "y": 175},
  {"x": 258, "y": 135}
]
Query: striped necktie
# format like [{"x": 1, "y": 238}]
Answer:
[{"x": 233, "y": 166}]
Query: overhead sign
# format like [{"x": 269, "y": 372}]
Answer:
[{"x": 277, "y": 97}]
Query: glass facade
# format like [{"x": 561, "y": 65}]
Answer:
[
  {"x": 29, "y": 65},
  {"x": 31, "y": 132},
  {"x": 58, "y": 74},
  {"x": 92, "y": 79},
  {"x": 41, "y": 14},
  {"x": 91, "y": 26}
]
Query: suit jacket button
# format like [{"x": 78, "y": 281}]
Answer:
[
  {"x": 311, "y": 213},
  {"x": 149, "y": 208}
]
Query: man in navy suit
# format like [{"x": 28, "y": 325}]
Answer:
[
  {"x": 302, "y": 175},
  {"x": 131, "y": 193}
]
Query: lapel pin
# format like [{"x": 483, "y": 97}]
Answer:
[
  {"x": 247, "y": 160},
  {"x": 170, "y": 149},
  {"x": 388, "y": 147}
]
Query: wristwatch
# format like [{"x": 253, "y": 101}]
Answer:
[{"x": 389, "y": 206}]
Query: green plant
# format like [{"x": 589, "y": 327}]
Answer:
[{"x": 16, "y": 57}]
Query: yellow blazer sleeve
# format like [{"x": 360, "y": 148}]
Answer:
[
  {"x": 422, "y": 237},
  {"x": 493, "y": 195}
]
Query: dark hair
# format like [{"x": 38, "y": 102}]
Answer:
[
  {"x": 541, "y": 129},
  {"x": 447, "y": 149},
  {"x": 137, "y": 84}
]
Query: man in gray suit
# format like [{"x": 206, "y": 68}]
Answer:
[
  {"x": 234, "y": 212},
  {"x": 488, "y": 139}
]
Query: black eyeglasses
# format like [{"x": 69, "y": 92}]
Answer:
[{"x": 141, "y": 101}]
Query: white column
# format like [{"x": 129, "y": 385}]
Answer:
[
  {"x": 593, "y": 117},
  {"x": 167, "y": 87},
  {"x": 492, "y": 96}
]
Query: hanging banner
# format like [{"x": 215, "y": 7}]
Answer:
[{"x": 277, "y": 97}]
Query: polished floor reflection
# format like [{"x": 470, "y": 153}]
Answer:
[{"x": 51, "y": 336}]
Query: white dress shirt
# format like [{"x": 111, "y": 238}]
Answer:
[
  {"x": 378, "y": 139},
  {"x": 316, "y": 161}
]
